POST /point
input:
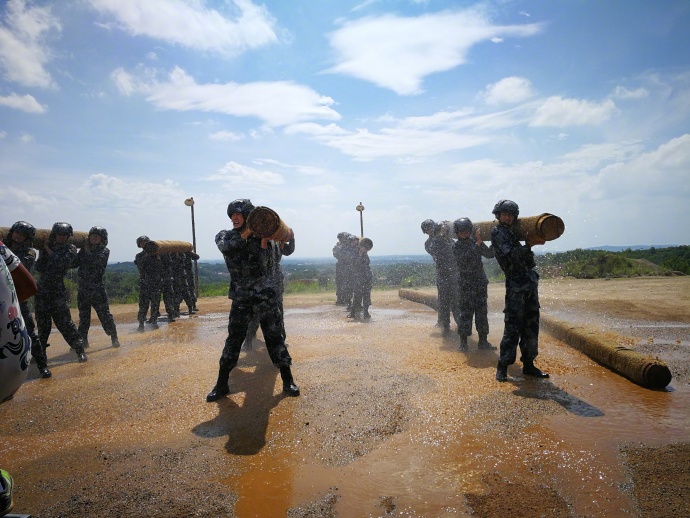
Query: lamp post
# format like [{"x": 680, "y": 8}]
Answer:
[
  {"x": 360, "y": 209},
  {"x": 189, "y": 202}
]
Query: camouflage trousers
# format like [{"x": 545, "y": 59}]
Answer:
[
  {"x": 149, "y": 296},
  {"x": 521, "y": 326},
  {"x": 95, "y": 298},
  {"x": 448, "y": 301},
  {"x": 271, "y": 322},
  {"x": 51, "y": 307},
  {"x": 473, "y": 303},
  {"x": 38, "y": 349}
]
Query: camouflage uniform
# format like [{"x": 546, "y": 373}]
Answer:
[
  {"x": 472, "y": 296},
  {"x": 181, "y": 288},
  {"x": 362, "y": 283},
  {"x": 51, "y": 298},
  {"x": 278, "y": 250},
  {"x": 27, "y": 256},
  {"x": 522, "y": 298},
  {"x": 150, "y": 283},
  {"x": 349, "y": 257},
  {"x": 92, "y": 262},
  {"x": 168, "y": 286},
  {"x": 340, "y": 281},
  {"x": 188, "y": 261},
  {"x": 440, "y": 247},
  {"x": 253, "y": 291}
]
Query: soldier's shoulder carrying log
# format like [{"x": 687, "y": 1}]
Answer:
[
  {"x": 40, "y": 240},
  {"x": 547, "y": 226}
]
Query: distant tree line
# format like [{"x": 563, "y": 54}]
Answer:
[{"x": 122, "y": 279}]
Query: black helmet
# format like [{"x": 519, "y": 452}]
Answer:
[
  {"x": 100, "y": 231},
  {"x": 62, "y": 229},
  {"x": 428, "y": 225},
  {"x": 243, "y": 206},
  {"x": 366, "y": 243},
  {"x": 141, "y": 240},
  {"x": 24, "y": 228},
  {"x": 506, "y": 206},
  {"x": 462, "y": 225}
]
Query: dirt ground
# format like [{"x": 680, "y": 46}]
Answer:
[{"x": 393, "y": 419}]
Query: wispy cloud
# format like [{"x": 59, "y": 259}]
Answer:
[
  {"x": 191, "y": 24},
  {"x": 398, "y": 52},
  {"x": 238, "y": 175},
  {"x": 26, "y": 103},
  {"x": 24, "y": 49},
  {"x": 560, "y": 112}
]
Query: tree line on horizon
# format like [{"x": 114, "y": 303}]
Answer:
[{"x": 122, "y": 279}]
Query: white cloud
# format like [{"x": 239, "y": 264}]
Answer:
[
  {"x": 3, "y": 134},
  {"x": 25, "y": 103},
  {"x": 622, "y": 92},
  {"x": 557, "y": 111},
  {"x": 508, "y": 90},
  {"x": 26, "y": 138},
  {"x": 238, "y": 175},
  {"x": 226, "y": 135},
  {"x": 277, "y": 103},
  {"x": 192, "y": 24},
  {"x": 397, "y": 52},
  {"x": 663, "y": 171},
  {"x": 24, "y": 53},
  {"x": 100, "y": 190}
]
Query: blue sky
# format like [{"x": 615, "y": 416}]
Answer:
[{"x": 113, "y": 112}]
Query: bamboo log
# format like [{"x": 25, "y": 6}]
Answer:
[
  {"x": 167, "y": 247},
  {"x": 644, "y": 370},
  {"x": 546, "y": 225},
  {"x": 78, "y": 239},
  {"x": 265, "y": 222}
]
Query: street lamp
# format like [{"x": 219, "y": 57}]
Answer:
[
  {"x": 189, "y": 202},
  {"x": 360, "y": 208}
]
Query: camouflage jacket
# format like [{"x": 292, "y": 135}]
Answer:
[
  {"x": 515, "y": 259},
  {"x": 251, "y": 275},
  {"x": 53, "y": 267},
  {"x": 92, "y": 264}
]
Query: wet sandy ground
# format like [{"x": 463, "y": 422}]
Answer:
[{"x": 393, "y": 420}]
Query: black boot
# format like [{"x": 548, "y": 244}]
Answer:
[
  {"x": 528, "y": 369},
  {"x": 140, "y": 329},
  {"x": 501, "y": 372},
  {"x": 115, "y": 342},
  {"x": 221, "y": 389},
  {"x": 463, "y": 342},
  {"x": 45, "y": 372},
  {"x": 289, "y": 386},
  {"x": 484, "y": 343},
  {"x": 365, "y": 314}
]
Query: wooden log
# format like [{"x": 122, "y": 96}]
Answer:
[
  {"x": 78, "y": 238},
  {"x": 265, "y": 222},
  {"x": 644, "y": 370},
  {"x": 547, "y": 226},
  {"x": 168, "y": 247}
]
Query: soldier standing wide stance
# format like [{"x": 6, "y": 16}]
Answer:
[
  {"x": 522, "y": 297},
  {"x": 473, "y": 293},
  {"x": 54, "y": 260},
  {"x": 150, "y": 282},
  {"x": 92, "y": 261},
  {"x": 252, "y": 290},
  {"x": 20, "y": 241}
]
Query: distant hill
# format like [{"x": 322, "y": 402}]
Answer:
[{"x": 607, "y": 248}]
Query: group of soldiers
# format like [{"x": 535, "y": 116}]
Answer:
[
  {"x": 462, "y": 284},
  {"x": 169, "y": 276},
  {"x": 353, "y": 276},
  {"x": 55, "y": 258}
]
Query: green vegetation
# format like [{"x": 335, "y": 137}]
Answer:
[{"x": 122, "y": 279}]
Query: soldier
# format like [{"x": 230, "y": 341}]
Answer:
[
  {"x": 150, "y": 282},
  {"x": 54, "y": 260},
  {"x": 92, "y": 261},
  {"x": 253, "y": 291},
  {"x": 473, "y": 293},
  {"x": 340, "y": 269},
  {"x": 168, "y": 286},
  {"x": 20, "y": 241},
  {"x": 188, "y": 261},
  {"x": 278, "y": 250},
  {"x": 440, "y": 247},
  {"x": 350, "y": 253},
  {"x": 362, "y": 280},
  {"x": 522, "y": 298}
]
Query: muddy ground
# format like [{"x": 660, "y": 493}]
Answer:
[{"x": 393, "y": 419}]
